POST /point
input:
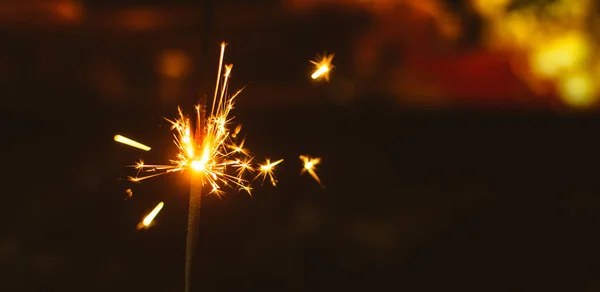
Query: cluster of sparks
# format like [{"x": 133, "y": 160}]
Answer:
[{"x": 211, "y": 148}]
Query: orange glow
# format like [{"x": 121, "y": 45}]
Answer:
[
  {"x": 578, "y": 90},
  {"x": 490, "y": 8},
  {"x": 557, "y": 39},
  {"x": 141, "y": 19},
  {"x": 174, "y": 64},
  {"x": 69, "y": 11}
]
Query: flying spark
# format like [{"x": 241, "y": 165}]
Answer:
[
  {"x": 132, "y": 143},
  {"x": 150, "y": 217},
  {"x": 323, "y": 66},
  {"x": 309, "y": 166},
  {"x": 129, "y": 193},
  {"x": 266, "y": 170}
]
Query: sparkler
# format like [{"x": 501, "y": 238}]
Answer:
[
  {"x": 210, "y": 153},
  {"x": 309, "y": 166},
  {"x": 322, "y": 66}
]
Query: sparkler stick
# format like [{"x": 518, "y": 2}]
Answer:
[
  {"x": 209, "y": 153},
  {"x": 193, "y": 225}
]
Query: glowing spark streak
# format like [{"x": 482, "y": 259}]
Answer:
[
  {"x": 224, "y": 86},
  {"x": 138, "y": 179},
  {"x": 223, "y": 44},
  {"x": 322, "y": 66},
  {"x": 148, "y": 219},
  {"x": 322, "y": 70},
  {"x": 129, "y": 193},
  {"x": 132, "y": 143},
  {"x": 309, "y": 166},
  {"x": 267, "y": 170}
]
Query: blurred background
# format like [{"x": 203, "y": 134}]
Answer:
[{"x": 457, "y": 137}]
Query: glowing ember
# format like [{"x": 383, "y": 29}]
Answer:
[
  {"x": 148, "y": 219},
  {"x": 322, "y": 66},
  {"x": 129, "y": 193},
  {"x": 309, "y": 166},
  {"x": 132, "y": 143}
]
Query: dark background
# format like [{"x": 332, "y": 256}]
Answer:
[{"x": 479, "y": 197}]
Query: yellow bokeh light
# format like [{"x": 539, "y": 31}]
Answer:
[
  {"x": 578, "y": 90},
  {"x": 559, "y": 55}
]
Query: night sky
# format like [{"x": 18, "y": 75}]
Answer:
[{"x": 416, "y": 199}]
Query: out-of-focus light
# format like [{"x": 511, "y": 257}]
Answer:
[
  {"x": 69, "y": 10},
  {"x": 516, "y": 29},
  {"x": 490, "y": 8},
  {"x": 174, "y": 64},
  {"x": 578, "y": 90},
  {"x": 141, "y": 19},
  {"x": 559, "y": 55}
]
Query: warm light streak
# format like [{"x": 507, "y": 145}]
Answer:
[
  {"x": 322, "y": 67},
  {"x": 309, "y": 166},
  {"x": 132, "y": 143},
  {"x": 150, "y": 217},
  {"x": 557, "y": 41},
  {"x": 266, "y": 170}
]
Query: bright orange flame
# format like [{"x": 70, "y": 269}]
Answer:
[{"x": 322, "y": 66}]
